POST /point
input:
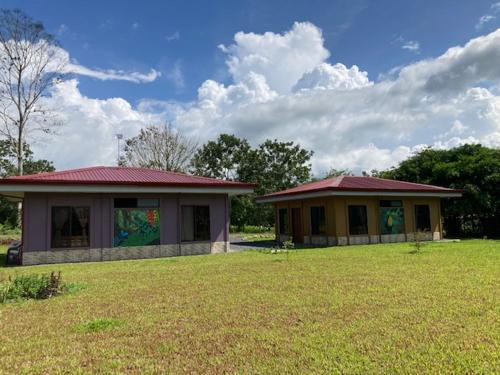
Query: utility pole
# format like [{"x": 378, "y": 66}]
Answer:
[{"x": 119, "y": 137}]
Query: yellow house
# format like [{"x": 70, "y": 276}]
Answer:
[{"x": 349, "y": 210}]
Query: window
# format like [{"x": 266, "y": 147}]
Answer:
[
  {"x": 283, "y": 220},
  {"x": 422, "y": 218},
  {"x": 195, "y": 223},
  {"x": 136, "y": 222},
  {"x": 391, "y": 217},
  {"x": 358, "y": 220},
  {"x": 70, "y": 227},
  {"x": 318, "y": 222}
]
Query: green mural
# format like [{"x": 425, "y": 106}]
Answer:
[
  {"x": 392, "y": 220},
  {"x": 136, "y": 227}
]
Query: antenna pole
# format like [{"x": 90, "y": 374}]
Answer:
[{"x": 119, "y": 137}]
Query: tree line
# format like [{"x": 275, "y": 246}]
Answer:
[{"x": 275, "y": 165}]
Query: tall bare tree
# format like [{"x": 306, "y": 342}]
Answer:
[
  {"x": 159, "y": 147},
  {"x": 29, "y": 66}
]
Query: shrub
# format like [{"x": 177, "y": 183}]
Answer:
[
  {"x": 418, "y": 243},
  {"x": 7, "y": 229},
  {"x": 32, "y": 286},
  {"x": 250, "y": 229}
]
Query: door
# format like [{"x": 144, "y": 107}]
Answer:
[{"x": 297, "y": 234}]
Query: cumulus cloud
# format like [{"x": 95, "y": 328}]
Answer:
[
  {"x": 281, "y": 58},
  {"x": 86, "y": 136},
  {"x": 284, "y": 87},
  {"x": 337, "y": 112},
  {"x": 331, "y": 77}
]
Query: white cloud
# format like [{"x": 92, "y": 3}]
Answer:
[
  {"x": 112, "y": 74},
  {"x": 338, "y": 76},
  {"x": 174, "y": 36},
  {"x": 281, "y": 59},
  {"x": 87, "y": 136},
  {"x": 350, "y": 122},
  {"x": 176, "y": 76},
  {"x": 283, "y": 87},
  {"x": 484, "y": 20},
  {"x": 72, "y": 66},
  {"x": 411, "y": 45}
]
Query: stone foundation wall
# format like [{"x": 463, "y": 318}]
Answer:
[
  {"x": 390, "y": 238},
  {"x": 122, "y": 253},
  {"x": 359, "y": 240}
]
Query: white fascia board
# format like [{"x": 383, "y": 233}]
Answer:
[
  {"x": 320, "y": 194},
  {"x": 15, "y": 189}
]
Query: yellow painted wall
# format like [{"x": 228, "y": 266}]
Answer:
[{"x": 337, "y": 212}]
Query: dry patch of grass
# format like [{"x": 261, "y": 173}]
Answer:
[{"x": 357, "y": 309}]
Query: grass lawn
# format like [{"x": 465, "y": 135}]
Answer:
[{"x": 358, "y": 309}]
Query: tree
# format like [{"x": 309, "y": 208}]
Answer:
[
  {"x": 473, "y": 168},
  {"x": 29, "y": 66},
  {"x": 8, "y": 210},
  {"x": 221, "y": 158},
  {"x": 273, "y": 166},
  {"x": 159, "y": 147},
  {"x": 338, "y": 172}
]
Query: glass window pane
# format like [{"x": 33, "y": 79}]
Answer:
[
  {"x": 283, "y": 221},
  {"x": 318, "y": 221},
  {"x": 388, "y": 203},
  {"x": 358, "y": 220},
  {"x": 125, "y": 202},
  {"x": 70, "y": 227},
  {"x": 136, "y": 227},
  {"x": 195, "y": 223},
  {"x": 422, "y": 218},
  {"x": 187, "y": 226},
  {"x": 202, "y": 223}
]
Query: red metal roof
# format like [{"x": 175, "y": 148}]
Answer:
[
  {"x": 360, "y": 184},
  {"x": 121, "y": 176}
]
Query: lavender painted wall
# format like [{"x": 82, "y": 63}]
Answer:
[{"x": 38, "y": 206}]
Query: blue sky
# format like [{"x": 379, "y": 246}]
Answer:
[
  {"x": 364, "y": 84},
  {"x": 138, "y": 36}
]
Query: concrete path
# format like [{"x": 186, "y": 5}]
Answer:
[{"x": 238, "y": 243}]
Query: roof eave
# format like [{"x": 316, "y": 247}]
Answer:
[
  {"x": 18, "y": 189},
  {"x": 358, "y": 192}
]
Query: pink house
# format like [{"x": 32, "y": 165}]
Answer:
[{"x": 110, "y": 213}]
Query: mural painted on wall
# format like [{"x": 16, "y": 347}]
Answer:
[
  {"x": 136, "y": 227},
  {"x": 392, "y": 220}
]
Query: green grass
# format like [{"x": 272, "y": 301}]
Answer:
[
  {"x": 100, "y": 324},
  {"x": 358, "y": 309}
]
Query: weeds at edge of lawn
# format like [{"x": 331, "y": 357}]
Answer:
[{"x": 97, "y": 325}]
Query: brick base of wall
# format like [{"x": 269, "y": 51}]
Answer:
[
  {"x": 369, "y": 239},
  {"x": 122, "y": 253}
]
